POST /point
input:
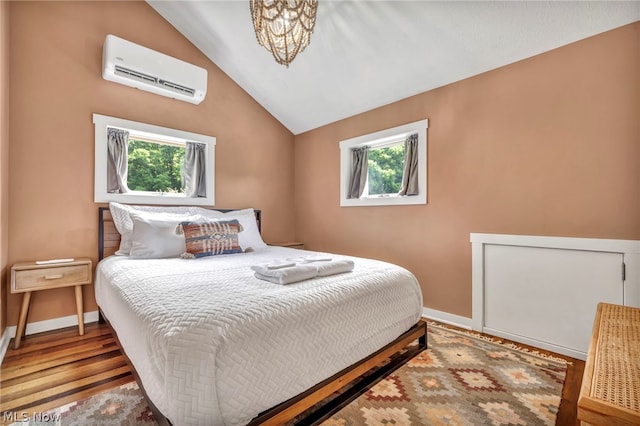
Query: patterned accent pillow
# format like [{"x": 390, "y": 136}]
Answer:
[
  {"x": 249, "y": 237},
  {"x": 211, "y": 238}
]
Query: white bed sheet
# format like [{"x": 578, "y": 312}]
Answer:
[{"x": 213, "y": 345}]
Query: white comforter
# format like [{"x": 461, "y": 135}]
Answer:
[{"x": 214, "y": 345}]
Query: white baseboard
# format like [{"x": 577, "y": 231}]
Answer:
[
  {"x": 53, "y": 324},
  {"x": 42, "y": 326},
  {"x": 447, "y": 318},
  {"x": 4, "y": 344}
]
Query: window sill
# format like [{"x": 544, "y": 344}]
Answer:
[
  {"x": 395, "y": 200},
  {"x": 141, "y": 197}
]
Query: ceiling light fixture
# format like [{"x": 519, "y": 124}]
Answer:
[{"x": 284, "y": 27}]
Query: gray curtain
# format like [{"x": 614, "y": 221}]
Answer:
[
  {"x": 359, "y": 170},
  {"x": 117, "y": 155},
  {"x": 410, "y": 173},
  {"x": 194, "y": 172}
]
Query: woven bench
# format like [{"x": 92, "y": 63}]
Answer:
[{"x": 610, "y": 392}]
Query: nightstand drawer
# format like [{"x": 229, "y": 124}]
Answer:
[{"x": 50, "y": 277}]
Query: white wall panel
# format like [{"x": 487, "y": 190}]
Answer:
[{"x": 543, "y": 291}]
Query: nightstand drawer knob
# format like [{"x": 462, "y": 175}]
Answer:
[{"x": 53, "y": 277}]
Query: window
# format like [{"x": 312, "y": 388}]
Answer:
[
  {"x": 385, "y": 167},
  {"x": 155, "y": 166},
  {"x": 161, "y": 165},
  {"x": 379, "y": 180}
]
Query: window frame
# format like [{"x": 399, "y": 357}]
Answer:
[
  {"x": 380, "y": 138},
  {"x": 101, "y": 195}
]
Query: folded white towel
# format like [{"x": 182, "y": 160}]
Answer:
[
  {"x": 316, "y": 258},
  {"x": 279, "y": 264},
  {"x": 309, "y": 259},
  {"x": 301, "y": 271},
  {"x": 276, "y": 264},
  {"x": 285, "y": 275},
  {"x": 334, "y": 267}
]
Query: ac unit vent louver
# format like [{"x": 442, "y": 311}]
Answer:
[
  {"x": 125, "y": 72},
  {"x": 177, "y": 88},
  {"x": 137, "y": 66}
]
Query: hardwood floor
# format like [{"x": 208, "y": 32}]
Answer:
[
  {"x": 570, "y": 394},
  {"x": 55, "y": 368}
]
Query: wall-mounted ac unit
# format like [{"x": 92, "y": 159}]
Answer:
[{"x": 137, "y": 66}]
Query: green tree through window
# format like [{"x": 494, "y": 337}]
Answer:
[
  {"x": 155, "y": 167},
  {"x": 385, "y": 169}
]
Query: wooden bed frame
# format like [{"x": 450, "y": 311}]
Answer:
[{"x": 387, "y": 359}]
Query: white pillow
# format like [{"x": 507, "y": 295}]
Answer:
[
  {"x": 156, "y": 237},
  {"x": 250, "y": 236},
  {"x": 121, "y": 215}
]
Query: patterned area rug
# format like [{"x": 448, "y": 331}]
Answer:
[
  {"x": 461, "y": 379},
  {"x": 124, "y": 405}
]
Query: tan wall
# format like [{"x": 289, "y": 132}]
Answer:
[
  {"x": 546, "y": 146},
  {"x": 4, "y": 159},
  {"x": 56, "y": 85}
]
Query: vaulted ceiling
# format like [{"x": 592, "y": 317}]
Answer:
[{"x": 365, "y": 54}]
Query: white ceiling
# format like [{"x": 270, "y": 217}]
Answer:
[{"x": 365, "y": 54}]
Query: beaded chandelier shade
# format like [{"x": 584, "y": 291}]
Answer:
[{"x": 284, "y": 27}]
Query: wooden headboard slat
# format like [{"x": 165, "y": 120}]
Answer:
[{"x": 109, "y": 237}]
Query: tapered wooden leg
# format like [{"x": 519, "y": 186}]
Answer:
[
  {"x": 80, "y": 309},
  {"x": 24, "y": 310}
]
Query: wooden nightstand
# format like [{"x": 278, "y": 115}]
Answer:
[
  {"x": 27, "y": 277},
  {"x": 291, "y": 244}
]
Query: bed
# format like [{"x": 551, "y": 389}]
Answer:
[{"x": 211, "y": 344}]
